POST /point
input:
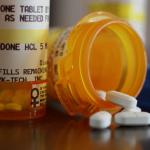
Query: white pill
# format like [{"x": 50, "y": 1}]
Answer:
[
  {"x": 136, "y": 109},
  {"x": 121, "y": 99},
  {"x": 132, "y": 118},
  {"x": 100, "y": 120},
  {"x": 102, "y": 94}
]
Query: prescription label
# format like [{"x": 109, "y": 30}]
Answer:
[
  {"x": 24, "y": 14},
  {"x": 59, "y": 51},
  {"x": 24, "y": 26},
  {"x": 23, "y": 40}
]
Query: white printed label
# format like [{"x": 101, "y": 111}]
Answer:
[
  {"x": 26, "y": 63},
  {"x": 23, "y": 40},
  {"x": 24, "y": 14}
]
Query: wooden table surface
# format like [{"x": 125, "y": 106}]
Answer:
[{"x": 57, "y": 131}]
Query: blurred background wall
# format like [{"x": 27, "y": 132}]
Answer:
[{"x": 66, "y": 13}]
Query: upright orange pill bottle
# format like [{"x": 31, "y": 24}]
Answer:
[
  {"x": 24, "y": 28},
  {"x": 101, "y": 52}
]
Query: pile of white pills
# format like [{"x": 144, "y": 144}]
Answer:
[{"x": 130, "y": 116}]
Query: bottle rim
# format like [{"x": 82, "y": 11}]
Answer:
[
  {"x": 88, "y": 51},
  {"x": 85, "y": 73}
]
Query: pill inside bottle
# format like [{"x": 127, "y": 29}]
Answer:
[{"x": 101, "y": 52}]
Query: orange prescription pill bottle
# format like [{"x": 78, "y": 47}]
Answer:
[
  {"x": 24, "y": 26},
  {"x": 101, "y": 52}
]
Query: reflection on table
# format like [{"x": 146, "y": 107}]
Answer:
[{"x": 57, "y": 131}]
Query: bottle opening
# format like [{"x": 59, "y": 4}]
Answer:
[
  {"x": 106, "y": 60},
  {"x": 117, "y": 59}
]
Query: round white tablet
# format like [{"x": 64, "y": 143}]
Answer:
[
  {"x": 121, "y": 99},
  {"x": 100, "y": 120}
]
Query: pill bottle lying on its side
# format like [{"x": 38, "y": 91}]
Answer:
[{"x": 101, "y": 52}]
